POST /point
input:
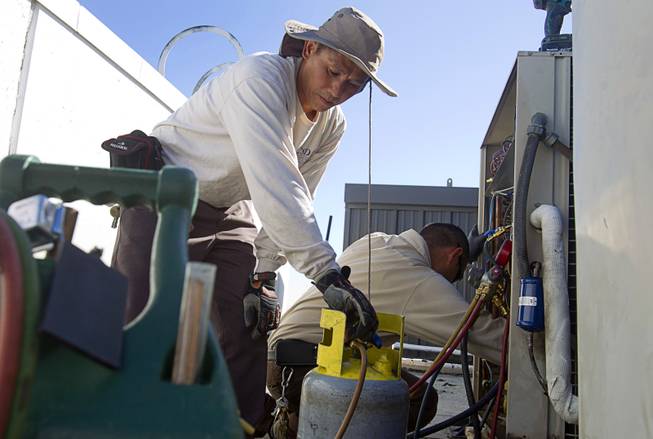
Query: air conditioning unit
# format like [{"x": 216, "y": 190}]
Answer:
[{"x": 540, "y": 82}]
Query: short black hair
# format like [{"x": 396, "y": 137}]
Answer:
[{"x": 445, "y": 235}]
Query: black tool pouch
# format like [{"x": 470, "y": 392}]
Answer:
[
  {"x": 294, "y": 353},
  {"x": 134, "y": 150}
]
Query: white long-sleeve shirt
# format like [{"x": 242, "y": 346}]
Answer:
[
  {"x": 246, "y": 137},
  {"x": 403, "y": 283}
]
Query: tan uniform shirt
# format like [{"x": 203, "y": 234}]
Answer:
[{"x": 402, "y": 283}]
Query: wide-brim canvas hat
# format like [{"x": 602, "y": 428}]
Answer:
[{"x": 349, "y": 32}]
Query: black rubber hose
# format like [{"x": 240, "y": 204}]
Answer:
[
  {"x": 462, "y": 415},
  {"x": 487, "y": 412},
  {"x": 536, "y": 370},
  {"x": 535, "y": 132},
  {"x": 429, "y": 386},
  {"x": 468, "y": 387}
]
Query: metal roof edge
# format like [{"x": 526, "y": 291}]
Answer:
[{"x": 412, "y": 195}]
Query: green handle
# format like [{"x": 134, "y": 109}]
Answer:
[
  {"x": 171, "y": 191},
  {"x": 22, "y": 176}
]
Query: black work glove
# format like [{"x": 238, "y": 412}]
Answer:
[
  {"x": 476, "y": 243},
  {"x": 261, "y": 305},
  {"x": 340, "y": 295}
]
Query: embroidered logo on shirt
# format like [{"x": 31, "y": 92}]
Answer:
[{"x": 303, "y": 155}]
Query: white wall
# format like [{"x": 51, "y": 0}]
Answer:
[
  {"x": 81, "y": 85},
  {"x": 613, "y": 156},
  {"x": 14, "y": 24}
]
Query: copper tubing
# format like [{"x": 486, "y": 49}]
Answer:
[
  {"x": 11, "y": 321},
  {"x": 247, "y": 427},
  {"x": 193, "y": 322},
  {"x": 357, "y": 391},
  {"x": 497, "y": 212}
]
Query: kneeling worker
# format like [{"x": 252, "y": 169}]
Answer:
[{"x": 412, "y": 275}]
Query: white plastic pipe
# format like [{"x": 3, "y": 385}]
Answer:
[
  {"x": 421, "y": 347},
  {"x": 556, "y": 313}
]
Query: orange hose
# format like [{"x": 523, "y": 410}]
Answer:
[{"x": 357, "y": 391}]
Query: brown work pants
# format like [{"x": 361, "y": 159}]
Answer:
[
  {"x": 223, "y": 237},
  {"x": 294, "y": 390}
]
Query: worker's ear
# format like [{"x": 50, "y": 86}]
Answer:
[
  {"x": 457, "y": 263},
  {"x": 310, "y": 48},
  {"x": 454, "y": 255}
]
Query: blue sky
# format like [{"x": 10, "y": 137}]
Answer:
[{"x": 448, "y": 61}]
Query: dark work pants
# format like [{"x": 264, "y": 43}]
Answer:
[
  {"x": 223, "y": 237},
  {"x": 555, "y": 14}
]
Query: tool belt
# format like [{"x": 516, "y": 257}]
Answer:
[{"x": 135, "y": 150}]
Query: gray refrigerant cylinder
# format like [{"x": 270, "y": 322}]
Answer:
[{"x": 382, "y": 411}]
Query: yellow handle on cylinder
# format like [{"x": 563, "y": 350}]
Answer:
[{"x": 334, "y": 359}]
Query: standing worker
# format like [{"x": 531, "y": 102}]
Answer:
[
  {"x": 555, "y": 14},
  {"x": 263, "y": 131}
]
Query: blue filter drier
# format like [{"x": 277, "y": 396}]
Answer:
[{"x": 531, "y": 305}]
